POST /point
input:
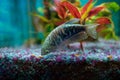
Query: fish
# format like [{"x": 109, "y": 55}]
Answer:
[{"x": 67, "y": 33}]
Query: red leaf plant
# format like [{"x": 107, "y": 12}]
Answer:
[
  {"x": 102, "y": 21},
  {"x": 60, "y": 9},
  {"x": 87, "y": 11}
]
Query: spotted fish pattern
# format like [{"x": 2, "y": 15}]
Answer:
[{"x": 63, "y": 35}]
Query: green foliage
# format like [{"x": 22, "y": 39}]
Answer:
[
  {"x": 40, "y": 10},
  {"x": 105, "y": 13},
  {"x": 109, "y": 33},
  {"x": 53, "y": 21},
  {"x": 48, "y": 28},
  {"x": 113, "y": 6},
  {"x": 42, "y": 18}
]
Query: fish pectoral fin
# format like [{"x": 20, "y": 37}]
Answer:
[{"x": 78, "y": 37}]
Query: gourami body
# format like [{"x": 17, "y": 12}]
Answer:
[{"x": 67, "y": 33}]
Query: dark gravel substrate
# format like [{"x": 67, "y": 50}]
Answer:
[{"x": 100, "y": 61}]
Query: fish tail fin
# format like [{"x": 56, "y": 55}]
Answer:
[{"x": 91, "y": 30}]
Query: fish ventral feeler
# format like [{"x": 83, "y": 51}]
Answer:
[{"x": 67, "y": 33}]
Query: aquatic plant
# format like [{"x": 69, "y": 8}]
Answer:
[
  {"x": 84, "y": 14},
  {"x": 109, "y": 30},
  {"x": 50, "y": 19},
  {"x": 63, "y": 10},
  {"x": 69, "y": 33},
  {"x": 89, "y": 14}
]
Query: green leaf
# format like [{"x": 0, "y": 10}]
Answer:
[
  {"x": 115, "y": 36},
  {"x": 48, "y": 28},
  {"x": 86, "y": 9},
  {"x": 41, "y": 17},
  {"x": 108, "y": 36},
  {"x": 113, "y": 6},
  {"x": 40, "y": 10},
  {"x": 104, "y": 13}
]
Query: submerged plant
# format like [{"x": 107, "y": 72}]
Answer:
[
  {"x": 84, "y": 13},
  {"x": 68, "y": 33},
  {"x": 50, "y": 19},
  {"x": 91, "y": 15},
  {"x": 109, "y": 31},
  {"x": 87, "y": 19}
]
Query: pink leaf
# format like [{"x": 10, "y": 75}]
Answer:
[{"x": 56, "y": 2}]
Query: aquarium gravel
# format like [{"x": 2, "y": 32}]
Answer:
[{"x": 99, "y": 61}]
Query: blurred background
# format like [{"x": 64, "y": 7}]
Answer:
[{"x": 20, "y": 23}]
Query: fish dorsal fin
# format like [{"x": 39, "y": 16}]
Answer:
[{"x": 74, "y": 20}]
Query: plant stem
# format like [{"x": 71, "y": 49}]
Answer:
[
  {"x": 81, "y": 46},
  {"x": 82, "y": 22},
  {"x": 113, "y": 29}
]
